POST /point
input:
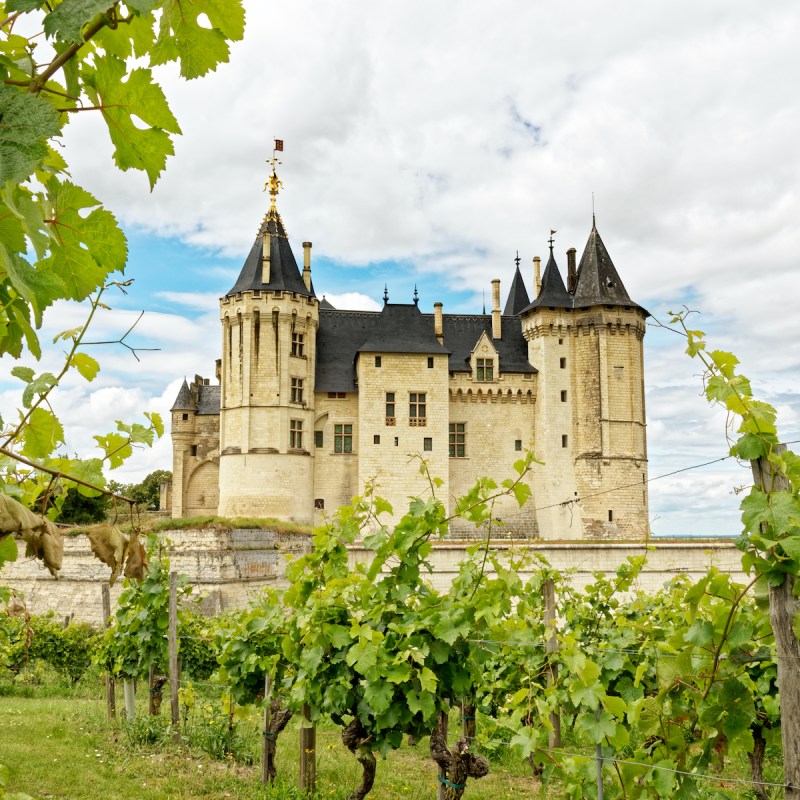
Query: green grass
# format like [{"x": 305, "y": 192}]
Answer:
[{"x": 64, "y": 747}]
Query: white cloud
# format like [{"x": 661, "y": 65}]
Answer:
[{"x": 448, "y": 138}]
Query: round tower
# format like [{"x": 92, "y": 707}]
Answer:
[{"x": 269, "y": 330}]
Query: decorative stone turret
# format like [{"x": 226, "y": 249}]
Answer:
[{"x": 269, "y": 325}]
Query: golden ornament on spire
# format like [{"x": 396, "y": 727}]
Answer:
[{"x": 274, "y": 183}]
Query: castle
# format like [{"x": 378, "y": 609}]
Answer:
[{"x": 314, "y": 401}]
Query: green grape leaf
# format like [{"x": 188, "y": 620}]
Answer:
[
  {"x": 8, "y": 549},
  {"x": 700, "y": 633},
  {"x": 24, "y": 5},
  {"x": 116, "y": 448},
  {"x": 42, "y": 435},
  {"x": 23, "y": 373},
  {"x": 65, "y": 22},
  {"x": 40, "y": 288},
  {"x": 123, "y": 98},
  {"x": 40, "y": 385},
  {"x": 12, "y": 235},
  {"x": 664, "y": 778},
  {"x": 379, "y": 696},
  {"x": 86, "y": 365},
  {"x": 156, "y": 422},
  {"x": 28, "y": 122},
  {"x": 597, "y": 728},
  {"x": 198, "y": 49},
  {"x": 86, "y": 247}
]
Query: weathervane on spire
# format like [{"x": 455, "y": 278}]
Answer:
[
  {"x": 551, "y": 240},
  {"x": 517, "y": 259},
  {"x": 274, "y": 183}
]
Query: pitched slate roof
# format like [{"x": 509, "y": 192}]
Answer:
[
  {"x": 517, "y": 296},
  {"x": 402, "y": 328},
  {"x": 461, "y": 333},
  {"x": 553, "y": 294},
  {"x": 326, "y": 304},
  {"x": 199, "y": 397},
  {"x": 183, "y": 402},
  {"x": 284, "y": 274},
  {"x": 209, "y": 400},
  {"x": 598, "y": 282}
]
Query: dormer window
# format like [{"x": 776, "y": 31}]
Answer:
[{"x": 484, "y": 369}]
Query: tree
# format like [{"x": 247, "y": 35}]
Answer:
[{"x": 57, "y": 241}]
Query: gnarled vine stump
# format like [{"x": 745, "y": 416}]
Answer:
[
  {"x": 355, "y": 740},
  {"x": 458, "y": 764}
]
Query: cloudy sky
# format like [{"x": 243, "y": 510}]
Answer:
[{"x": 428, "y": 142}]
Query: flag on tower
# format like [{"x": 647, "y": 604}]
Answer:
[{"x": 279, "y": 144}]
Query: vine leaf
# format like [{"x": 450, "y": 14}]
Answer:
[
  {"x": 42, "y": 434},
  {"x": 27, "y": 123},
  {"x": 65, "y": 22},
  {"x": 198, "y": 49},
  {"x": 87, "y": 247},
  {"x": 121, "y": 100},
  {"x": 86, "y": 366}
]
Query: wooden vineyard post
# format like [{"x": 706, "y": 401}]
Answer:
[
  {"x": 783, "y": 608},
  {"x": 174, "y": 673},
  {"x": 551, "y": 647},
  {"x": 266, "y": 750},
  {"x": 111, "y": 689},
  {"x": 308, "y": 753},
  {"x": 444, "y": 719}
]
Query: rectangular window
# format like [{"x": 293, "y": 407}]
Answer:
[
  {"x": 297, "y": 390},
  {"x": 564, "y": 440},
  {"x": 427, "y": 444},
  {"x": 376, "y": 439},
  {"x": 458, "y": 440},
  {"x": 296, "y": 434},
  {"x": 430, "y": 362},
  {"x": 417, "y": 410},
  {"x": 336, "y": 395},
  {"x": 561, "y": 341},
  {"x": 377, "y": 361},
  {"x": 390, "y": 418},
  {"x": 562, "y": 362},
  {"x": 184, "y": 417},
  {"x": 610, "y": 515},
  {"x": 298, "y": 345},
  {"x": 319, "y": 503},
  {"x": 485, "y": 369},
  {"x": 343, "y": 438},
  {"x": 194, "y": 449},
  {"x": 563, "y": 395},
  {"x": 396, "y": 441},
  {"x": 518, "y": 444},
  {"x": 318, "y": 439}
]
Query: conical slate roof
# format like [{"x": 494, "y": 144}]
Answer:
[
  {"x": 598, "y": 282},
  {"x": 553, "y": 294},
  {"x": 183, "y": 402},
  {"x": 517, "y": 296},
  {"x": 284, "y": 274}
]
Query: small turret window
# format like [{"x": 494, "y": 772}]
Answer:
[
  {"x": 296, "y": 434},
  {"x": 297, "y": 390},
  {"x": 298, "y": 345},
  {"x": 184, "y": 417}
]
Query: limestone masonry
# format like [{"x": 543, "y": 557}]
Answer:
[{"x": 313, "y": 401}]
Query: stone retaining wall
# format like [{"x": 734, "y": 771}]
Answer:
[{"x": 229, "y": 567}]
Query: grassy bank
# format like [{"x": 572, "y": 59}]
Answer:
[{"x": 64, "y": 747}]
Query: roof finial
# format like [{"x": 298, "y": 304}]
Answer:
[
  {"x": 517, "y": 259},
  {"x": 594, "y": 224},
  {"x": 484, "y": 302},
  {"x": 274, "y": 183},
  {"x": 551, "y": 240},
  {"x": 385, "y": 293},
  {"x": 416, "y": 295}
]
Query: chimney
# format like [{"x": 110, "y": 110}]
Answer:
[
  {"x": 571, "y": 274},
  {"x": 496, "y": 319},
  {"x": 537, "y": 276},
  {"x": 307, "y": 265},
  {"x": 437, "y": 322},
  {"x": 265, "y": 263}
]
